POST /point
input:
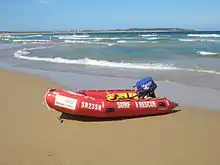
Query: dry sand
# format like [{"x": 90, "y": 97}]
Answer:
[{"x": 31, "y": 135}]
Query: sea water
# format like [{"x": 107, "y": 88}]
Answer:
[{"x": 187, "y": 58}]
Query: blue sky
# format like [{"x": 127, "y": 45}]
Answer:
[{"x": 108, "y": 14}]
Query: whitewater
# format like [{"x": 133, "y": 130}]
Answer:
[{"x": 175, "y": 57}]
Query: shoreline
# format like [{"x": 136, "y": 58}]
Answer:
[
  {"x": 184, "y": 91},
  {"x": 30, "y": 134},
  {"x": 184, "y": 94}
]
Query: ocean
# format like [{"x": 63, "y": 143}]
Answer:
[{"x": 191, "y": 58}]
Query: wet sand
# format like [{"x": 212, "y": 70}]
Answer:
[{"x": 30, "y": 134}]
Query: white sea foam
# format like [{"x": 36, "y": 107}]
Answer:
[
  {"x": 203, "y": 35},
  {"x": 153, "y": 38},
  {"x": 141, "y": 41},
  {"x": 187, "y": 40},
  {"x": 105, "y": 38},
  {"x": 77, "y": 37},
  {"x": 70, "y": 37},
  {"x": 198, "y": 40},
  {"x": 22, "y": 54},
  {"x": 113, "y": 38},
  {"x": 16, "y": 40},
  {"x": 22, "y": 37},
  {"x": 36, "y": 48},
  {"x": 133, "y": 42},
  {"x": 204, "y": 53},
  {"x": 148, "y": 35},
  {"x": 88, "y": 42},
  {"x": 5, "y": 39},
  {"x": 6, "y": 36},
  {"x": 203, "y": 71},
  {"x": 77, "y": 42}
]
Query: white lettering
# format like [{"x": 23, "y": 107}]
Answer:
[
  {"x": 137, "y": 105},
  {"x": 145, "y": 104},
  {"x": 91, "y": 106},
  {"x": 65, "y": 102},
  {"x": 123, "y": 104},
  {"x": 86, "y": 104}
]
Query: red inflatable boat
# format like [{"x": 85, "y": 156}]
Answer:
[{"x": 106, "y": 103}]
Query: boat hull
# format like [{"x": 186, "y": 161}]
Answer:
[{"x": 100, "y": 103}]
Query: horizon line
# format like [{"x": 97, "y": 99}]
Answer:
[{"x": 78, "y": 30}]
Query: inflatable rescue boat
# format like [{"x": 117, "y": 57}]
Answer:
[{"x": 110, "y": 103}]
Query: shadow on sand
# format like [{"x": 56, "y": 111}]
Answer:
[{"x": 65, "y": 116}]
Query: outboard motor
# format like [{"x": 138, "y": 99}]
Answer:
[{"x": 145, "y": 87}]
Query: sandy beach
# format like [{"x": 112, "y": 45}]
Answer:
[{"x": 31, "y": 135}]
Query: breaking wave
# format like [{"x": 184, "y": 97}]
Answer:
[
  {"x": 26, "y": 36},
  {"x": 23, "y": 54},
  {"x": 32, "y": 41},
  {"x": 125, "y": 41},
  {"x": 204, "y": 53},
  {"x": 198, "y": 40},
  {"x": 203, "y": 35},
  {"x": 148, "y": 35},
  {"x": 88, "y": 42},
  {"x": 69, "y": 37}
]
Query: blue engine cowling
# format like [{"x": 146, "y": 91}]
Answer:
[{"x": 145, "y": 85}]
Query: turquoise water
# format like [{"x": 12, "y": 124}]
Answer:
[{"x": 179, "y": 57}]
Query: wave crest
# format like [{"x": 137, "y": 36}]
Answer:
[
  {"x": 199, "y": 40},
  {"x": 203, "y": 35},
  {"x": 204, "y": 53},
  {"x": 22, "y": 54}
]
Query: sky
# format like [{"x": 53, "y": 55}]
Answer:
[{"x": 108, "y": 14}]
